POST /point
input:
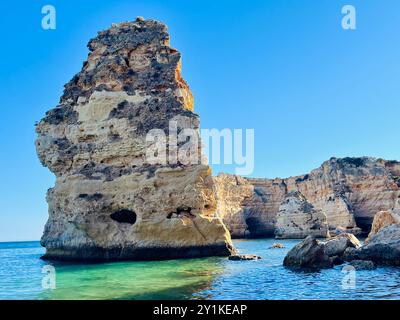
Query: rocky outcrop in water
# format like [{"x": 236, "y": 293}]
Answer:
[
  {"x": 109, "y": 202},
  {"x": 349, "y": 191},
  {"x": 244, "y": 257},
  {"x": 382, "y": 219},
  {"x": 312, "y": 254},
  {"x": 308, "y": 254},
  {"x": 383, "y": 243},
  {"x": 338, "y": 245},
  {"x": 382, "y": 249}
]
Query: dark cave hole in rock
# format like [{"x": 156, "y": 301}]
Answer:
[
  {"x": 365, "y": 223},
  {"x": 124, "y": 216},
  {"x": 258, "y": 228}
]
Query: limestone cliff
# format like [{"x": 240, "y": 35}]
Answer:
[
  {"x": 233, "y": 191},
  {"x": 297, "y": 218},
  {"x": 382, "y": 220},
  {"x": 109, "y": 202},
  {"x": 349, "y": 191}
]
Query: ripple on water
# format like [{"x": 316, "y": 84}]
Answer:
[{"x": 208, "y": 278}]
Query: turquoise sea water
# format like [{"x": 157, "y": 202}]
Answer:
[{"x": 208, "y": 278}]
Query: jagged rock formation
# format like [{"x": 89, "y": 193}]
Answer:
[
  {"x": 383, "y": 248},
  {"x": 297, "y": 218},
  {"x": 233, "y": 191},
  {"x": 381, "y": 220},
  {"x": 109, "y": 202},
  {"x": 338, "y": 245},
  {"x": 312, "y": 254},
  {"x": 350, "y": 191}
]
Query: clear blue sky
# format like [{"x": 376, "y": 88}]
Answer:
[{"x": 310, "y": 89}]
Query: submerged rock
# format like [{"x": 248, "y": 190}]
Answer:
[
  {"x": 363, "y": 265},
  {"x": 309, "y": 255},
  {"x": 277, "y": 246},
  {"x": 237, "y": 257},
  {"x": 297, "y": 218},
  {"x": 110, "y": 200},
  {"x": 337, "y": 260}
]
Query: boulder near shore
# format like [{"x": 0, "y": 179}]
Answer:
[
  {"x": 383, "y": 245},
  {"x": 382, "y": 248}
]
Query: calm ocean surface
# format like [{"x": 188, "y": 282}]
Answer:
[{"x": 210, "y": 278}]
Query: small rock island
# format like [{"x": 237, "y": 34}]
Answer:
[{"x": 108, "y": 203}]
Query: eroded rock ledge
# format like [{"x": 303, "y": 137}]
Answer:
[
  {"x": 348, "y": 191},
  {"x": 108, "y": 202}
]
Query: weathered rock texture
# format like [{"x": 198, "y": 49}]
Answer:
[
  {"x": 244, "y": 257},
  {"x": 383, "y": 248},
  {"x": 108, "y": 201},
  {"x": 383, "y": 219},
  {"x": 233, "y": 191},
  {"x": 308, "y": 254},
  {"x": 349, "y": 191},
  {"x": 383, "y": 243},
  {"x": 338, "y": 245},
  {"x": 297, "y": 218},
  {"x": 363, "y": 265},
  {"x": 313, "y": 254}
]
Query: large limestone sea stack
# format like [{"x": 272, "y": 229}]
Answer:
[{"x": 109, "y": 202}]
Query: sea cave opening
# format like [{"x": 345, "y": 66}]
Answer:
[{"x": 124, "y": 216}]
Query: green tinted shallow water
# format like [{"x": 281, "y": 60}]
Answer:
[
  {"x": 134, "y": 280},
  {"x": 208, "y": 278},
  {"x": 21, "y": 277}
]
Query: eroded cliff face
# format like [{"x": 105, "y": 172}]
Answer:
[
  {"x": 297, "y": 218},
  {"x": 233, "y": 192},
  {"x": 349, "y": 191},
  {"x": 109, "y": 202}
]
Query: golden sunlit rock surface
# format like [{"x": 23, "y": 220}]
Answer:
[
  {"x": 109, "y": 202},
  {"x": 349, "y": 191}
]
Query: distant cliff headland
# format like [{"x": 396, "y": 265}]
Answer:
[
  {"x": 109, "y": 203},
  {"x": 343, "y": 195}
]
